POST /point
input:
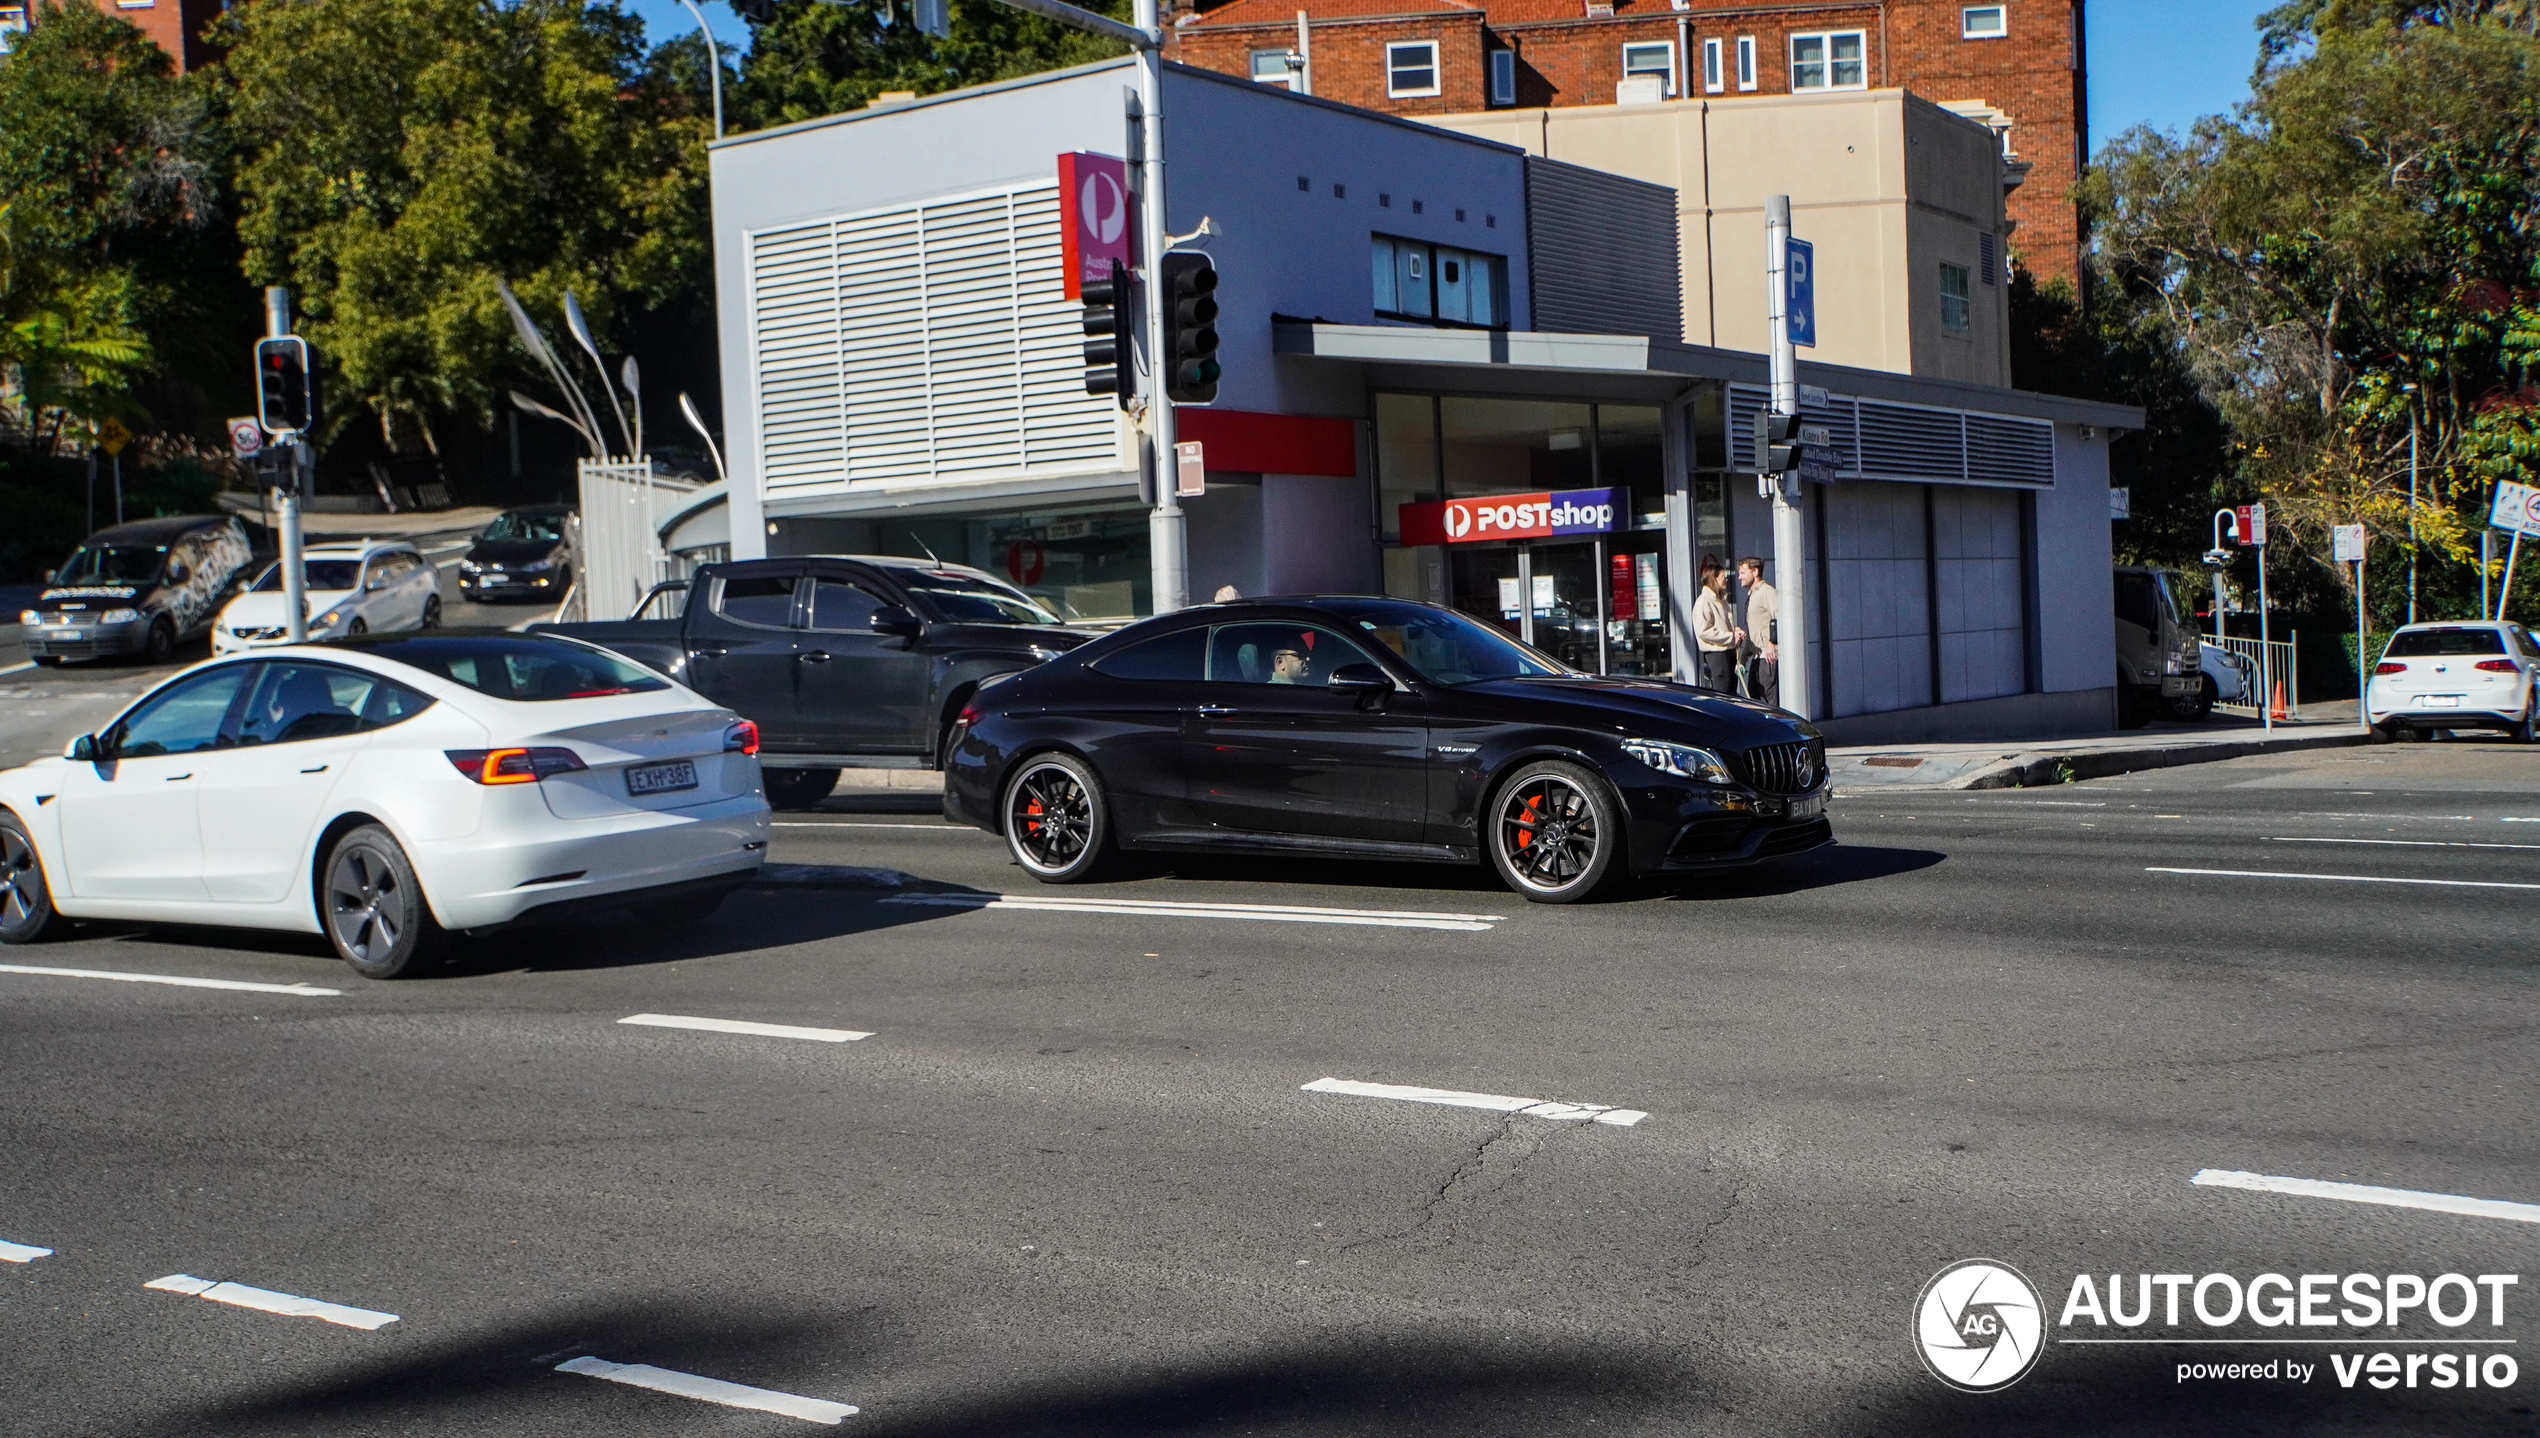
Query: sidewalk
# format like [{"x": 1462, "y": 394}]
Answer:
[{"x": 2027, "y": 763}]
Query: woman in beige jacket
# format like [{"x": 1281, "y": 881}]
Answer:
[{"x": 1715, "y": 631}]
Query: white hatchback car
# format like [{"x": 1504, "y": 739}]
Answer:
[
  {"x": 2456, "y": 675},
  {"x": 387, "y": 792},
  {"x": 356, "y": 588}
]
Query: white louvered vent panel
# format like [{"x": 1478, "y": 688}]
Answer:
[
  {"x": 972, "y": 337},
  {"x": 1905, "y": 440},
  {"x": 1062, "y": 425},
  {"x": 1879, "y": 440},
  {"x": 881, "y": 270},
  {"x": 2017, "y": 451},
  {"x": 1746, "y": 401},
  {"x": 802, "y": 431}
]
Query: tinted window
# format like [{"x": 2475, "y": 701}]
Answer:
[
  {"x": 2434, "y": 643},
  {"x": 766, "y": 600},
  {"x": 299, "y": 701},
  {"x": 315, "y": 573},
  {"x": 520, "y": 526},
  {"x": 1167, "y": 656},
  {"x": 111, "y": 564},
  {"x": 507, "y": 666},
  {"x": 1445, "y": 646},
  {"x": 181, "y": 719},
  {"x": 2135, "y": 601},
  {"x": 971, "y": 599},
  {"x": 1278, "y": 654},
  {"x": 837, "y": 605}
]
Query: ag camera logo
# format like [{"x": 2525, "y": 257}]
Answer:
[{"x": 1979, "y": 1325}]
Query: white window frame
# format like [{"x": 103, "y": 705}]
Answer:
[
  {"x": 1827, "y": 39},
  {"x": 1964, "y": 298},
  {"x": 1503, "y": 77},
  {"x": 1714, "y": 78},
  {"x": 1746, "y": 62},
  {"x": 1666, "y": 76},
  {"x": 1394, "y": 68},
  {"x": 1285, "y": 79},
  {"x": 1967, "y": 22}
]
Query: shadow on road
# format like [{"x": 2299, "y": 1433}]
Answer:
[
  {"x": 752, "y": 919},
  {"x": 1819, "y": 869}
]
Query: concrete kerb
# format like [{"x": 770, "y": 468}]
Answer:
[{"x": 2040, "y": 768}]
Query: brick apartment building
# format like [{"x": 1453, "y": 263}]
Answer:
[
  {"x": 175, "y": 26},
  {"x": 2018, "y": 66}
]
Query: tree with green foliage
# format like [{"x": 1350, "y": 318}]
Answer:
[
  {"x": 400, "y": 159},
  {"x": 810, "y": 58}
]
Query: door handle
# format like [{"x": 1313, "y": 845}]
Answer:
[
  {"x": 1213, "y": 711},
  {"x": 318, "y": 770},
  {"x": 816, "y": 656},
  {"x": 710, "y": 652},
  {"x": 172, "y": 778}
]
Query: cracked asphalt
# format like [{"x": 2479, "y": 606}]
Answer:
[{"x": 1071, "y": 1184}]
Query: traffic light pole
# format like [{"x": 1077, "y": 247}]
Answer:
[
  {"x": 295, "y": 579},
  {"x": 1167, "y": 534},
  {"x": 1789, "y": 533}
]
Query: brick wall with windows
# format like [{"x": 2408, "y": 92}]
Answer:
[
  {"x": 175, "y": 26},
  {"x": 2021, "y": 58}
]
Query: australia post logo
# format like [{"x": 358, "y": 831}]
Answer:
[
  {"x": 1094, "y": 226},
  {"x": 1513, "y": 516}
]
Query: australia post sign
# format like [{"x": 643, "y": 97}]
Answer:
[
  {"x": 1094, "y": 217},
  {"x": 1513, "y": 516}
]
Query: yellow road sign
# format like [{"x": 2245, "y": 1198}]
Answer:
[{"x": 112, "y": 436}]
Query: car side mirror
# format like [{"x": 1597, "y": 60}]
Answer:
[
  {"x": 82, "y": 749},
  {"x": 893, "y": 620},
  {"x": 1360, "y": 680},
  {"x": 48, "y": 575},
  {"x": 178, "y": 574},
  {"x": 375, "y": 583}
]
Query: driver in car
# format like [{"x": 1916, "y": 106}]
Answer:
[{"x": 1289, "y": 666}]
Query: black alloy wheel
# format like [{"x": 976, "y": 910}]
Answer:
[
  {"x": 26, "y": 904},
  {"x": 358, "y": 626},
  {"x": 797, "y": 788},
  {"x": 375, "y": 912},
  {"x": 2522, "y": 731},
  {"x": 162, "y": 641},
  {"x": 1055, "y": 822},
  {"x": 1554, "y": 833},
  {"x": 432, "y": 612}
]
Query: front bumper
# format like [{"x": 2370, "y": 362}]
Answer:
[
  {"x": 478, "y": 882},
  {"x": 482, "y": 587},
  {"x": 1679, "y": 825},
  {"x": 94, "y": 641}
]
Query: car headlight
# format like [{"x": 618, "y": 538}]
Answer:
[
  {"x": 467, "y": 566},
  {"x": 119, "y": 616},
  {"x": 1682, "y": 760},
  {"x": 30, "y": 616}
]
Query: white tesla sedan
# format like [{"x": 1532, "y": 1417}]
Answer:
[
  {"x": 2456, "y": 675},
  {"x": 360, "y": 587},
  {"x": 388, "y": 792}
]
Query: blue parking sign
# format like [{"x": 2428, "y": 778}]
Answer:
[{"x": 1799, "y": 272}]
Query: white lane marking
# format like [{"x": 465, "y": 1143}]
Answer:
[
  {"x": 2401, "y": 843},
  {"x": 935, "y": 828},
  {"x": 2042, "y": 803},
  {"x": 20, "y": 1252},
  {"x": 1158, "y": 908},
  {"x": 2369, "y": 1193},
  {"x": 309, "y": 991},
  {"x": 16, "y": 668},
  {"x": 1497, "y": 1103},
  {"x": 743, "y": 1026},
  {"x": 2447, "y": 818},
  {"x": 2345, "y": 878},
  {"x": 265, "y": 1300},
  {"x": 710, "y": 1390}
]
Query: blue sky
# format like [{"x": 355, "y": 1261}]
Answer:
[{"x": 2162, "y": 62}]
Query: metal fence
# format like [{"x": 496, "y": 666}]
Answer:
[
  {"x": 623, "y": 503},
  {"x": 2267, "y": 663}
]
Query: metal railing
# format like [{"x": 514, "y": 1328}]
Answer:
[{"x": 2267, "y": 663}]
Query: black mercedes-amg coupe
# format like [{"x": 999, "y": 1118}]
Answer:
[{"x": 1363, "y": 727}]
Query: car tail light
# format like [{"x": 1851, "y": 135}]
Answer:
[
  {"x": 969, "y": 715},
  {"x": 741, "y": 737},
  {"x": 2387, "y": 667},
  {"x": 513, "y": 766},
  {"x": 2497, "y": 666}
]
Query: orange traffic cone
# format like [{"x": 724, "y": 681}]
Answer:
[{"x": 2275, "y": 709}]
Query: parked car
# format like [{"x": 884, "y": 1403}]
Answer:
[
  {"x": 1376, "y": 729},
  {"x": 2223, "y": 677},
  {"x": 138, "y": 588},
  {"x": 843, "y": 661},
  {"x": 2157, "y": 666},
  {"x": 523, "y": 554},
  {"x": 2451, "y": 675},
  {"x": 388, "y": 793},
  {"x": 355, "y": 588}
]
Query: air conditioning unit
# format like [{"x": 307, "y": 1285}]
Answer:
[{"x": 1640, "y": 90}]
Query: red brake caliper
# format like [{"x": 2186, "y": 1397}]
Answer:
[
  {"x": 1032, "y": 817},
  {"x": 1526, "y": 825}
]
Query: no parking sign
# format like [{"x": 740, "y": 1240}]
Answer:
[{"x": 2516, "y": 507}]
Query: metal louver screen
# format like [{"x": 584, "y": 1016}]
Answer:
[
  {"x": 1875, "y": 439},
  {"x": 1605, "y": 253},
  {"x": 930, "y": 342}
]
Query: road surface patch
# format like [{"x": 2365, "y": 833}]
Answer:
[
  {"x": 1497, "y": 1103},
  {"x": 1170, "y": 909},
  {"x": 744, "y": 1026},
  {"x": 2368, "y": 1193},
  {"x": 20, "y": 1252},
  {"x": 265, "y": 1300},
  {"x": 307, "y": 991},
  {"x": 2345, "y": 878},
  {"x": 710, "y": 1390}
]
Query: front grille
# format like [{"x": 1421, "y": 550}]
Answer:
[
  {"x": 1793, "y": 840},
  {"x": 1792, "y": 768}
]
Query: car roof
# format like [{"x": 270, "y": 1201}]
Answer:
[
  {"x": 2457, "y": 624},
  {"x": 344, "y": 549},
  {"x": 156, "y": 531},
  {"x": 556, "y": 508}
]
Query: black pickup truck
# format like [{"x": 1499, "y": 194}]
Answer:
[{"x": 842, "y": 661}]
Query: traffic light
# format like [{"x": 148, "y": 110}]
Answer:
[
  {"x": 1190, "y": 327},
  {"x": 1110, "y": 362},
  {"x": 1776, "y": 443},
  {"x": 286, "y": 398}
]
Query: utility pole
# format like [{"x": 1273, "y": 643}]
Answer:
[
  {"x": 295, "y": 581},
  {"x": 2411, "y": 391},
  {"x": 1798, "y": 678}
]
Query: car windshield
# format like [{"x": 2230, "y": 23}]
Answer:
[
  {"x": 111, "y": 564},
  {"x": 1446, "y": 647},
  {"x": 2434, "y": 643},
  {"x": 974, "y": 599},
  {"x": 521, "y": 525},
  {"x": 519, "y": 666},
  {"x": 314, "y": 573}
]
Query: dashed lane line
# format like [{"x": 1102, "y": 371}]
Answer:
[
  {"x": 2345, "y": 878},
  {"x": 827, "y": 824},
  {"x": 20, "y": 1252},
  {"x": 1497, "y": 1103},
  {"x": 2401, "y": 843},
  {"x": 265, "y": 1300},
  {"x": 306, "y": 991},
  {"x": 1169, "y": 909},
  {"x": 2368, "y": 1193},
  {"x": 710, "y": 1390},
  {"x": 744, "y": 1026}
]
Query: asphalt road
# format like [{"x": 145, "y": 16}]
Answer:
[{"x": 1072, "y": 1183}]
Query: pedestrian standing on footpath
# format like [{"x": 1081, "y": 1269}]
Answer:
[
  {"x": 1714, "y": 632},
  {"x": 1763, "y": 655}
]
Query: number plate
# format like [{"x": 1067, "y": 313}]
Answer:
[
  {"x": 2442, "y": 701},
  {"x": 65, "y": 634},
  {"x": 661, "y": 778},
  {"x": 1807, "y": 806}
]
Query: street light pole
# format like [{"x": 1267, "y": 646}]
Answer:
[
  {"x": 2411, "y": 391},
  {"x": 714, "y": 64}
]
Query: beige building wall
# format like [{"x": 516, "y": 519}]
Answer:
[{"x": 1887, "y": 185}]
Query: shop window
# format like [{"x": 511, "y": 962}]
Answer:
[
  {"x": 1270, "y": 67},
  {"x": 1830, "y": 60},
  {"x": 1503, "y": 77},
  {"x": 1415, "y": 280},
  {"x": 1954, "y": 309},
  {"x": 1654, "y": 60},
  {"x": 1411, "y": 68},
  {"x": 1713, "y": 81},
  {"x": 1983, "y": 22}
]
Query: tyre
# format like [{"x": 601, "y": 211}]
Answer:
[
  {"x": 2190, "y": 710},
  {"x": 681, "y": 912},
  {"x": 162, "y": 641},
  {"x": 358, "y": 626},
  {"x": 26, "y": 901},
  {"x": 432, "y": 612},
  {"x": 1556, "y": 834},
  {"x": 374, "y": 909},
  {"x": 2522, "y": 730},
  {"x": 1056, "y": 823},
  {"x": 797, "y": 788}
]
